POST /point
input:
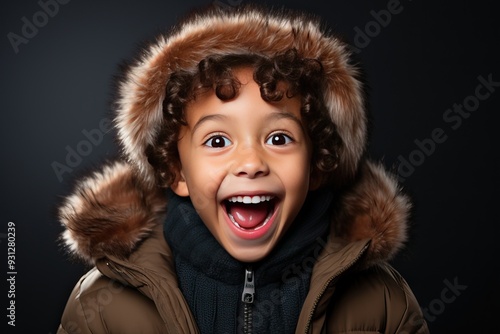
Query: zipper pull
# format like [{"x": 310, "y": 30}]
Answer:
[{"x": 249, "y": 287}]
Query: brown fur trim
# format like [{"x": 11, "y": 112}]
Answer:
[
  {"x": 374, "y": 209},
  {"x": 109, "y": 212},
  {"x": 243, "y": 30}
]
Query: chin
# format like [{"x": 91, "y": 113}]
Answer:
[{"x": 250, "y": 255}]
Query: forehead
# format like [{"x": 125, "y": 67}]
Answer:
[{"x": 247, "y": 89}]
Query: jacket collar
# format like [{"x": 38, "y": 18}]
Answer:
[{"x": 150, "y": 270}]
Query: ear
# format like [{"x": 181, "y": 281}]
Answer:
[{"x": 180, "y": 186}]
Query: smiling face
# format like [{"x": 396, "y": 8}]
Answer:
[{"x": 245, "y": 165}]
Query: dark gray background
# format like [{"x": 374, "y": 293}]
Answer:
[{"x": 427, "y": 58}]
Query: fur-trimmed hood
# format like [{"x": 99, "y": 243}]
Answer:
[
  {"x": 112, "y": 211},
  {"x": 245, "y": 29}
]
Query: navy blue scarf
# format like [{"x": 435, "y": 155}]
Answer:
[{"x": 212, "y": 280}]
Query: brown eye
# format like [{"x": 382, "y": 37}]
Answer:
[
  {"x": 217, "y": 142},
  {"x": 278, "y": 139}
]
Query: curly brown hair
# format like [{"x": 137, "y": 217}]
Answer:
[{"x": 303, "y": 76}]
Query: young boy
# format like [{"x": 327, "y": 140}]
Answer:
[{"x": 244, "y": 202}]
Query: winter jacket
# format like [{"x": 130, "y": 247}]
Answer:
[{"x": 113, "y": 219}]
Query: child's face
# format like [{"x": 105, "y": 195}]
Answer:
[{"x": 241, "y": 150}]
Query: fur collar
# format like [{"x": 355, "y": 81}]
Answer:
[{"x": 111, "y": 212}]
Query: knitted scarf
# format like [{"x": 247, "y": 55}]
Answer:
[{"x": 212, "y": 281}]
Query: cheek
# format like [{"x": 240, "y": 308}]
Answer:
[
  {"x": 199, "y": 195},
  {"x": 203, "y": 180},
  {"x": 297, "y": 174}
]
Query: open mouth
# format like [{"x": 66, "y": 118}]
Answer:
[{"x": 250, "y": 213}]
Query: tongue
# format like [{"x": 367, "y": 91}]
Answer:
[{"x": 249, "y": 215}]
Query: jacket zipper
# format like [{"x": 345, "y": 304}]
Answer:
[{"x": 247, "y": 298}]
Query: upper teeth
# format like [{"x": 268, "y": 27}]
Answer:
[{"x": 249, "y": 199}]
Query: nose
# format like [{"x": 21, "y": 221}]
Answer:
[{"x": 250, "y": 163}]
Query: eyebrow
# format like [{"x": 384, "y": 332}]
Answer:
[
  {"x": 283, "y": 114},
  {"x": 207, "y": 118}
]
